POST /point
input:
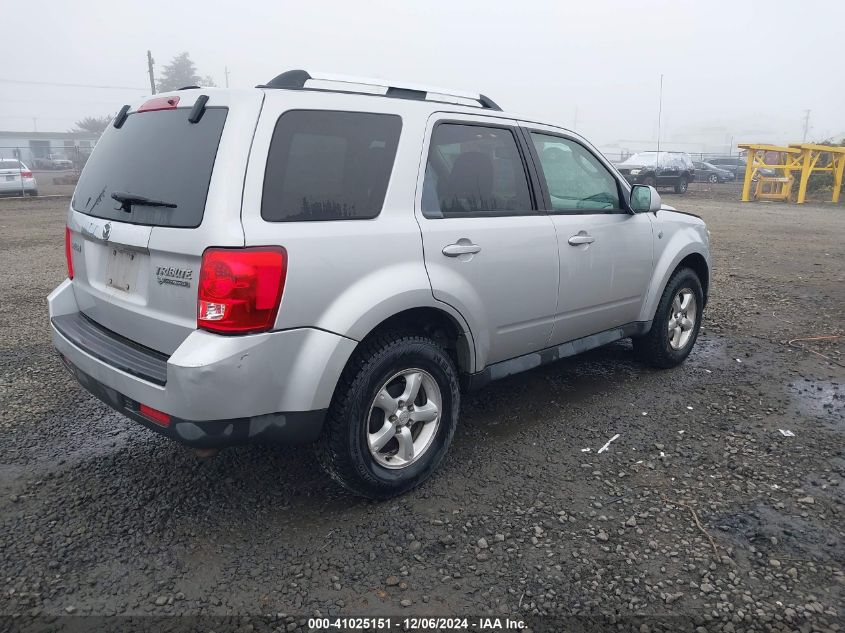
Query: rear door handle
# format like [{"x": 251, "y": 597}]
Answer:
[
  {"x": 581, "y": 238},
  {"x": 463, "y": 247}
]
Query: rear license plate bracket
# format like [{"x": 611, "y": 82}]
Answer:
[{"x": 122, "y": 269}]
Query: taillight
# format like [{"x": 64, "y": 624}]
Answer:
[
  {"x": 26, "y": 174},
  {"x": 68, "y": 256},
  {"x": 240, "y": 289}
]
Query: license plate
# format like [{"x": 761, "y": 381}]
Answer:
[
  {"x": 122, "y": 269},
  {"x": 10, "y": 178}
]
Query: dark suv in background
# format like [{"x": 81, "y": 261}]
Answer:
[
  {"x": 733, "y": 164},
  {"x": 659, "y": 169}
]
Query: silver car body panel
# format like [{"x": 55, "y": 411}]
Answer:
[
  {"x": 603, "y": 284},
  {"x": 679, "y": 235},
  {"x": 213, "y": 377},
  {"x": 508, "y": 290},
  {"x": 347, "y": 276}
]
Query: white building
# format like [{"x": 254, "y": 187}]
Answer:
[{"x": 30, "y": 146}]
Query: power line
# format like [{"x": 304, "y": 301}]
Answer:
[{"x": 68, "y": 85}]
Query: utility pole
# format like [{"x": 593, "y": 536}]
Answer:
[
  {"x": 806, "y": 125},
  {"x": 226, "y": 73},
  {"x": 150, "y": 62},
  {"x": 659, "y": 117}
]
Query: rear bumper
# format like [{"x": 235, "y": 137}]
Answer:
[
  {"x": 218, "y": 390},
  {"x": 283, "y": 428}
]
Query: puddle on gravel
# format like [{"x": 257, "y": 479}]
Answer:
[
  {"x": 779, "y": 535},
  {"x": 819, "y": 398}
]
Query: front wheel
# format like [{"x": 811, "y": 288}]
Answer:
[
  {"x": 714, "y": 178},
  {"x": 392, "y": 417},
  {"x": 676, "y": 323},
  {"x": 681, "y": 186}
]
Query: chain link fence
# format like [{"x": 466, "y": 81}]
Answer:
[{"x": 48, "y": 157}]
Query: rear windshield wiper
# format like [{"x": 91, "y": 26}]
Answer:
[{"x": 126, "y": 201}]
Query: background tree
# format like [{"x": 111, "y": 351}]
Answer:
[
  {"x": 94, "y": 124},
  {"x": 181, "y": 72}
]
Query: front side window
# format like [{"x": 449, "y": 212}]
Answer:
[
  {"x": 328, "y": 165},
  {"x": 474, "y": 170},
  {"x": 576, "y": 180}
]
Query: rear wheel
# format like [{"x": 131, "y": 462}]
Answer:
[
  {"x": 392, "y": 417},
  {"x": 650, "y": 181},
  {"x": 676, "y": 323},
  {"x": 681, "y": 186}
]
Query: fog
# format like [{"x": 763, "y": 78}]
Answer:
[{"x": 733, "y": 71}]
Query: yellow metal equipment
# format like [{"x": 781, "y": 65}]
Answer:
[{"x": 804, "y": 158}]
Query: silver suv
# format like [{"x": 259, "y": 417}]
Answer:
[{"x": 334, "y": 260}]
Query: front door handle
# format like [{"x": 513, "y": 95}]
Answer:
[
  {"x": 463, "y": 247},
  {"x": 581, "y": 238}
]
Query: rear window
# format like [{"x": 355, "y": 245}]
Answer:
[
  {"x": 158, "y": 155},
  {"x": 327, "y": 165},
  {"x": 10, "y": 164}
]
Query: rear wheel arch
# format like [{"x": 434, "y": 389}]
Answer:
[{"x": 439, "y": 325}]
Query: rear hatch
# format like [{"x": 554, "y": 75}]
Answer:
[{"x": 156, "y": 192}]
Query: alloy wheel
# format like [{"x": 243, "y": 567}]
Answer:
[
  {"x": 403, "y": 418},
  {"x": 682, "y": 316}
]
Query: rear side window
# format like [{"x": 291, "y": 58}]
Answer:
[
  {"x": 158, "y": 155},
  {"x": 474, "y": 170},
  {"x": 327, "y": 165}
]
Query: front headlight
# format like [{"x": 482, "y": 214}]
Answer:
[{"x": 635, "y": 172}]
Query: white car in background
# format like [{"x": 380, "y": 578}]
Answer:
[{"x": 16, "y": 178}]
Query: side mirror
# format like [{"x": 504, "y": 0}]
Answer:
[{"x": 645, "y": 198}]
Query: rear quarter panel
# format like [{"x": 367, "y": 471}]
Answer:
[{"x": 346, "y": 276}]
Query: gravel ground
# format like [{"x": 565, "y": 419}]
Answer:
[{"x": 701, "y": 516}]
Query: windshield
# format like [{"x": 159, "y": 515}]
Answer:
[{"x": 155, "y": 155}]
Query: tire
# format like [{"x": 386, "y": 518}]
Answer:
[
  {"x": 650, "y": 181},
  {"x": 714, "y": 178},
  {"x": 681, "y": 186},
  {"x": 354, "y": 418},
  {"x": 656, "y": 348}
]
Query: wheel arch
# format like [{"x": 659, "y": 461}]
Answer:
[
  {"x": 440, "y": 323},
  {"x": 692, "y": 255}
]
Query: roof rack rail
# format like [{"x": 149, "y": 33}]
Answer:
[{"x": 296, "y": 80}]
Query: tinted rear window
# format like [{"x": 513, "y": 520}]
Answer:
[
  {"x": 326, "y": 165},
  {"x": 158, "y": 155},
  {"x": 10, "y": 164}
]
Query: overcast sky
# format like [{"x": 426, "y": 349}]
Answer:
[{"x": 594, "y": 65}]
